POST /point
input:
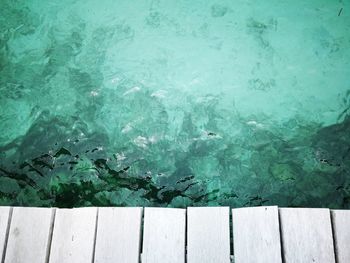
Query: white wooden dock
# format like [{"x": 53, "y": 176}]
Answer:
[{"x": 167, "y": 235}]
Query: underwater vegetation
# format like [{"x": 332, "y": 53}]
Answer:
[
  {"x": 52, "y": 165},
  {"x": 176, "y": 105}
]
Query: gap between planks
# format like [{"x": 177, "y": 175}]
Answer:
[{"x": 335, "y": 245}]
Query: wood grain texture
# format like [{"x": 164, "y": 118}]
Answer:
[
  {"x": 341, "y": 232},
  {"x": 208, "y": 235},
  {"x": 306, "y": 235},
  {"x": 118, "y": 235},
  {"x": 164, "y": 235},
  {"x": 73, "y": 235},
  {"x": 29, "y": 234},
  {"x": 256, "y": 235},
  {"x": 4, "y": 223}
]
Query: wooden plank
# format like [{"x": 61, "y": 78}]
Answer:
[
  {"x": 73, "y": 236},
  {"x": 164, "y": 235},
  {"x": 341, "y": 231},
  {"x": 4, "y": 223},
  {"x": 118, "y": 235},
  {"x": 306, "y": 235},
  {"x": 256, "y": 235},
  {"x": 29, "y": 235},
  {"x": 208, "y": 235}
]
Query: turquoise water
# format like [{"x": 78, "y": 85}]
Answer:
[{"x": 175, "y": 103}]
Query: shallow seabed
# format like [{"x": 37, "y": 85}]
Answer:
[{"x": 175, "y": 103}]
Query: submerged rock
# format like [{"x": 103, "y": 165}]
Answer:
[{"x": 283, "y": 172}]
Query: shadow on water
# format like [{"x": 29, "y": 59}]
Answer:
[{"x": 79, "y": 169}]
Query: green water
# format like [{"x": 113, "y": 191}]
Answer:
[{"x": 175, "y": 103}]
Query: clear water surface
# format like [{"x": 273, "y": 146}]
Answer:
[{"x": 175, "y": 103}]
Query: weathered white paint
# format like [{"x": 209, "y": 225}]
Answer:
[
  {"x": 341, "y": 231},
  {"x": 256, "y": 235},
  {"x": 4, "y": 220},
  {"x": 306, "y": 235},
  {"x": 73, "y": 235},
  {"x": 29, "y": 235},
  {"x": 118, "y": 235},
  {"x": 208, "y": 235},
  {"x": 164, "y": 235}
]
